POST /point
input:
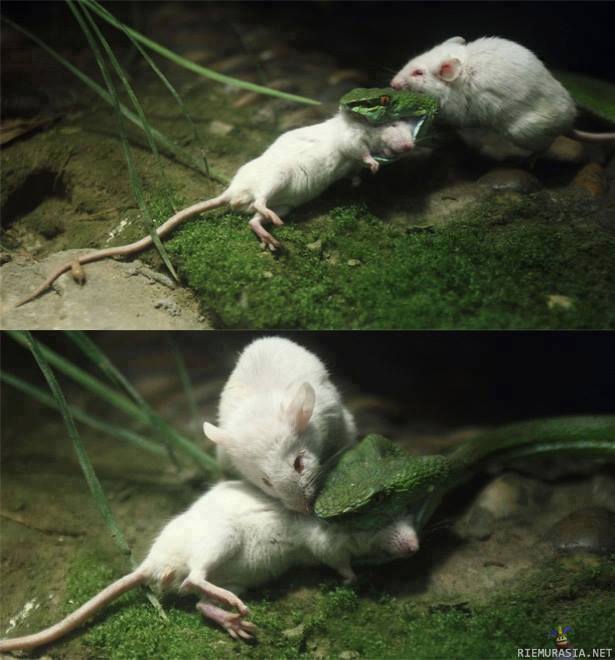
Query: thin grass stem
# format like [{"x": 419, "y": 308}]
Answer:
[
  {"x": 123, "y": 403},
  {"x": 93, "y": 422},
  {"x": 204, "y": 71},
  {"x": 84, "y": 460},
  {"x": 180, "y": 154},
  {"x": 96, "y": 6},
  {"x": 135, "y": 180}
]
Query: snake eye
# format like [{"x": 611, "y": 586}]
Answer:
[{"x": 385, "y": 100}]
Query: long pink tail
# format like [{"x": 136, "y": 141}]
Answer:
[
  {"x": 586, "y": 136},
  {"x": 131, "y": 248},
  {"x": 75, "y": 619}
]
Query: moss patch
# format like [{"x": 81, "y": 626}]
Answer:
[
  {"x": 496, "y": 266},
  {"x": 325, "y": 620}
]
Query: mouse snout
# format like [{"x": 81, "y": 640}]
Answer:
[
  {"x": 397, "y": 83},
  {"x": 407, "y": 146}
]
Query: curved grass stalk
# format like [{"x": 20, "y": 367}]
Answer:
[
  {"x": 96, "y": 6},
  {"x": 98, "y": 357},
  {"x": 180, "y": 154},
  {"x": 81, "y": 416},
  {"x": 184, "y": 377},
  {"x": 84, "y": 460},
  {"x": 204, "y": 71},
  {"x": 135, "y": 180},
  {"x": 123, "y": 403}
]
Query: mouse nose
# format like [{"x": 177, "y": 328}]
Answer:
[
  {"x": 396, "y": 84},
  {"x": 408, "y": 146}
]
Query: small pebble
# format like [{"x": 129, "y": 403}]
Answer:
[
  {"x": 294, "y": 633},
  {"x": 586, "y": 530},
  {"x": 316, "y": 246},
  {"x": 508, "y": 179},
  {"x": 555, "y": 301},
  {"x": 220, "y": 128}
]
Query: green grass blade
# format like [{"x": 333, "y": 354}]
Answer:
[
  {"x": 96, "y": 6},
  {"x": 91, "y": 350},
  {"x": 180, "y": 154},
  {"x": 98, "y": 357},
  {"x": 84, "y": 379},
  {"x": 204, "y": 71},
  {"x": 184, "y": 377},
  {"x": 81, "y": 416},
  {"x": 135, "y": 180},
  {"x": 123, "y": 403},
  {"x": 84, "y": 460}
]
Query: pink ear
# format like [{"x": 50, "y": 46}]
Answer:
[
  {"x": 301, "y": 407},
  {"x": 449, "y": 69},
  {"x": 216, "y": 435}
]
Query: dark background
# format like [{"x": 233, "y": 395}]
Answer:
[
  {"x": 379, "y": 37},
  {"x": 440, "y": 378}
]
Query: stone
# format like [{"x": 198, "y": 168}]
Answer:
[
  {"x": 220, "y": 128},
  {"x": 557, "y": 301},
  {"x": 590, "y": 180},
  {"x": 117, "y": 296},
  {"x": 508, "y": 179},
  {"x": 586, "y": 530},
  {"x": 566, "y": 150}
]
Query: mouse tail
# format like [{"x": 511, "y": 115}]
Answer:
[
  {"x": 586, "y": 136},
  {"x": 131, "y": 248},
  {"x": 75, "y": 619}
]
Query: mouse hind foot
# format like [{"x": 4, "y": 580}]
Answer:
[
  {"x": 210, "y": 590},
  {"x": 232, "y": 622}
]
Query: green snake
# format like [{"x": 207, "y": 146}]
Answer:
[
  {"x": 377, "y": 481},
  {"x": 385, "y": 105}
]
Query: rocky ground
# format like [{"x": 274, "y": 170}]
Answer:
[
  {"x": 511, "y": 554},
  {"x": 453, "y": 240}
]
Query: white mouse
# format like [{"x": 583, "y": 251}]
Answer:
[
  {"x": 281, "y": 421},
  {"x": 296, "y": 168},
  {"x": 498, "y": 93},
  {"x": 232, "y": 538}
]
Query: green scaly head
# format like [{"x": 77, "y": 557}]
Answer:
[
  {"x": 385, "y": 105},
  {"x": 375, "y": 482}
]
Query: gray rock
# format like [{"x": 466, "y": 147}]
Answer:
[
  {"x": 586, "y": 530},
  {"x": 507, "y": 179},
  {"x": 116, "y": 296}
]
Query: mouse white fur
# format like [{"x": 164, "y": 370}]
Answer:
[
  {"x": 498, "y": 93},
  {"x": 296, "y": 168},
  {"x": 232, "y": 538},
  {"x": 281, "y": 420}
]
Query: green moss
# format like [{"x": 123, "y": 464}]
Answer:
[
  {"x": 493, "y": 267},
  {"x": 296, "y": 619},
  {"x": 597, "y": 96}
]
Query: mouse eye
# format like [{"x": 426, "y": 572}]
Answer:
[
  {"x": 267, "y": 482},
  {"x": 417, "y": 72},
  {"x": 298, "y": 464}
]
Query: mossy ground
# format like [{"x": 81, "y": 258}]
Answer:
[
  {"x": 494, "y": 266},
  {"x": 299, "y": 617}
]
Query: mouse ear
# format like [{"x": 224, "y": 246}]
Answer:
[
  {"x": 216, "y": 435},
  {"x": 449, "y": 69},
  {"x": 456, "y": 40},
  {"x": 301, "y": 407}
]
